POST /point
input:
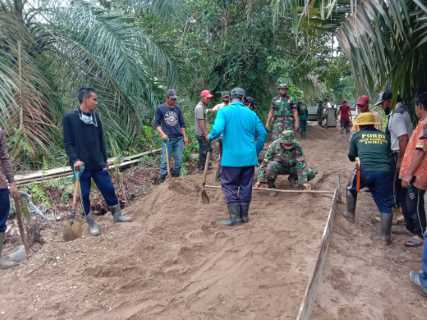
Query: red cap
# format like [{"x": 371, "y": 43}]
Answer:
[
  {"x": 363, "y": 100},
  {"x": 206, "y": 94}
]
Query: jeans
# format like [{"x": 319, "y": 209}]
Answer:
[
  {"x": 380, "y": 184},
  {"x": 236, "y": 183},
  {"x": 104, "y": 183},
  {"x": 415, "y": 218},
  {"x": 423, "y": 275},
  {"x": 203, "y": 150},
  {"x": 176, "y": 151},
  {"x": 4, "y": 208}
]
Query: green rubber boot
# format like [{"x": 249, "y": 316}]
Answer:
[
  {"x": 94, "y": 228},
  {"x": 118, "y": 216},
  {"x": 234, "y": 212}
]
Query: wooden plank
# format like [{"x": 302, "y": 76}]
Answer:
[
  {"x": 314, "y": 281},
  {"x": 282, "y": 190},
  {"x": 45, "y": 175}
]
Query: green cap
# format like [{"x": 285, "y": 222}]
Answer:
[{"x": 282, "y": 85}]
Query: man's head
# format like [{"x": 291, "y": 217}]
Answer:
[
  {"x": 287, "y": 139},
  {"x": 225, "y": 96},
  {"x": 363, "y": 104},
  {"x": 171, "y": 97},
  {"x": 206, "y": 96},
  {"x": 283, "y": 89},
  {"x": 250, "y": 102},
  {"x": 421, "y": 105},
  {"x": 238, "y": 94},
  {"x": 87, "y": 98},
  {"x": 385, "y": 101},
  {"x": 344, "y": 102},
  {"x": 365, "y": 119}
]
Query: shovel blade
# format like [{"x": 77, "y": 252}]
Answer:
[
  {"x": 73, "y": 229},
  {"x": 205, "y": 197}
]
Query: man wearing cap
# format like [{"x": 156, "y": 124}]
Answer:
[
  {"x": 169, "y": 122},
  {"x": 362, "y": 104},
  {"x": 372, "y": 147},
  {"x": 399, "y": 129},
  {"x": 243, "y": 136},
  {"x": 283, "y": 113},
  {"x": 201, "y": 127},
  {"x": 285, "y": 156},
  {"x": 413, "y": 173},
  {"x": 345, "y": 117}
]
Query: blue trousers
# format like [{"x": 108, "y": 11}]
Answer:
[
  {"x": 104, "y": 183},
  {"x": 236, "y": 183},
  {"x": 176, "y": 151},
  {"x": 4, "y": 208},
  {"x": 424, "y": 263},
  {"x": 380, "y": 185}
]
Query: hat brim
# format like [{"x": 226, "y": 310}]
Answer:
[
  {"x": 366, "y": 123},
  {"x": 173, "y": 97}
]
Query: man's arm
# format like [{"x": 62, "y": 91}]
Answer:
[
  {"x": 413, "y": 166},
  {"x": 403, "y": 143},
  {"x": 269, "y": 118},
  {"x": 69, "y": 140},
  {"x": 218, "y": 127},
  {"x": 261, "y": 135},
  {"x": 352, "y": 151},
  {"x": 296, "y": 118},
  {"x": 102, "y": 138},
  {"x": 158, "y": 124}
]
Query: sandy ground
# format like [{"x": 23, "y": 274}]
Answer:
[{"x": 175, "y": 262}]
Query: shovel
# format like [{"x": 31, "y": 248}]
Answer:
[
  {"x": 73, "y": 227},
  {"x": 204, "y": 194}
]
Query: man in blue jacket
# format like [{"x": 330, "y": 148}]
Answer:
[{"x": 243, "y": 137}]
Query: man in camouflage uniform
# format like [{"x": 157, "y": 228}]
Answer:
[
  {"x": 285, "y": 156},
  {"x": 283, "y": 113}
]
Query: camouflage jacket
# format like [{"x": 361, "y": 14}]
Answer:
[{"x": 283, "y": 107}]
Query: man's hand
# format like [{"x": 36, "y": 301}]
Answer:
[
  {"x": 163, "y": 136},
  {"x": 307, "y": 186},
  {"x": 78, "y": 165},
  {"x": 14, "y": 190},
  {"x": 186, "y": 141},
  {"x": 406, "y": 181}
]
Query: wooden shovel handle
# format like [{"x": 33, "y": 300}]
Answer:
[
  {"x": 21, "y": 225},
  {"x": 357, "y": 176},
  {"x": 75, "y": 195},
  {"x": 168, "y": 165},
  {"x": 205, "y": 171}
]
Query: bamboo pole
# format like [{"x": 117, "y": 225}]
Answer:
[
  {"x": 21, "y": 225},
  {"x": 282, "y": 190}
]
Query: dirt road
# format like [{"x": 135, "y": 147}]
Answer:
[{"x": 175, "y": 262}]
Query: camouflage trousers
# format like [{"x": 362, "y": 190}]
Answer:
[
  {"x": 298, "y": 173},
  {"x": 279, "y": 125}
]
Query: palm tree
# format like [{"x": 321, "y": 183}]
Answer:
[
  {"x": 386, "y": 41},
  {"x": 47, "y": 51}
]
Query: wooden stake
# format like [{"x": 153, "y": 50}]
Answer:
[
  {"x": 282, "y": 190},
  {"x": 21, "y": 225}
]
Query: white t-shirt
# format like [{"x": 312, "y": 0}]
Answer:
[
  {"x": 199, "y": 114},
  {"x": 399, "y": 124}
]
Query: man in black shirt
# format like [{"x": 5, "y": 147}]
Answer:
[
  {"x": 169, "y": 122},
  {"x": 85, "y": 147}
]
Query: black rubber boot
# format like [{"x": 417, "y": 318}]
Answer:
[
  {"x": 234, "y": 212},
  {"x": 244, "y": 211},
  {"x": 385, "y": 228},
  {"x": 351, "y": 198},
  {"x": 118, "y": 216},
  {"x": 94, "y": 228},
  {"x": 5, "y": 263}
]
